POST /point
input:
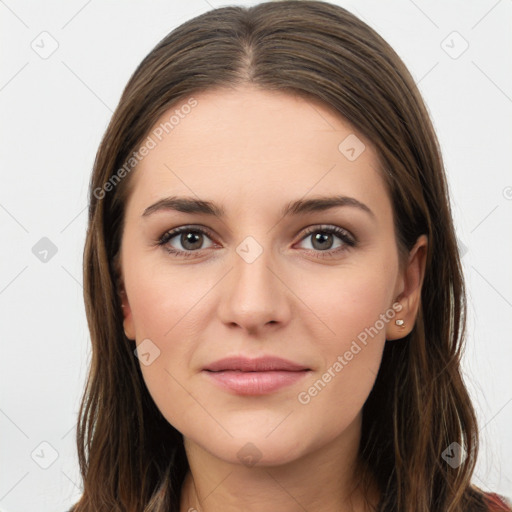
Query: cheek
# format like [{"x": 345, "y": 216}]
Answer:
[
  {"x": 346, "y": 303},
  {"x": 353, "y": 308},
  {"x": 161, "y": 297},
  {"x": 167, "y": 309}
]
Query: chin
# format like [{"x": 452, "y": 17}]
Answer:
[
  {"x": 260, "y": 451},
  {"x": 250, "y": 447}
]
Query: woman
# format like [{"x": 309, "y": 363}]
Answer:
[{"x": 272, "y": 282}]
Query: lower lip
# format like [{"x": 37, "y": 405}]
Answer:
[{"x": 255, "y": 383}]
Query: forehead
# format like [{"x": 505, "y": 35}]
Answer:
[{"x": 263, "y": 144}]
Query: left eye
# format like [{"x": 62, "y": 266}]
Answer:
[
  {"x": 323, "y": 238},
  {"x": 322, "y": 241}
]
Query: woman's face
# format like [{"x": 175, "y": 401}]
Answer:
[{"x": 312, "y": 285}]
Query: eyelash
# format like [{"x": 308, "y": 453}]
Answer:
[{"x": 345, "y": 237}]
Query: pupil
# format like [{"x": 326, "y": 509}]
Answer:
[
  {"x": 321, "y": 238},
  {"x": 189, "y": 239}
]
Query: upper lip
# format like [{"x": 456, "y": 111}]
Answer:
[{"x": 259, "y": 364}]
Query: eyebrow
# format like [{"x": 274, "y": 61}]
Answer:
[{"x": 298, "y": 207}]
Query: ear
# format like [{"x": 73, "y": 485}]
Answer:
[
  {"x": 410, "y": 296},
  {"x": 129, "y": 329},
  {"x": 128, "y": 326}
]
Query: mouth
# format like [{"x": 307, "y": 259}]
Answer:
[{"x": 245, "y": 376}]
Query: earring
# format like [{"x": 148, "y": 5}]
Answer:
[{"x": 400, "y": 322}]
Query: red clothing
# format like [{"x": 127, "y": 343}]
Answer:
[{"x": 497, "y": 503}]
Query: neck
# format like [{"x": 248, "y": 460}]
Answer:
[{"x": 322, "y": 479}]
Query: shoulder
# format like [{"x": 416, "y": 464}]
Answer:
[{"x": 497, "y": 503}]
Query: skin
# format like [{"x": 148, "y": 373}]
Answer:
[{"x": 252, "y": 152}]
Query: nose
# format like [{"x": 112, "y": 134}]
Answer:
[{"x": 254, "y": 294}]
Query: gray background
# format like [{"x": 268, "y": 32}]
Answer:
[{"x": 54, "y": 110}]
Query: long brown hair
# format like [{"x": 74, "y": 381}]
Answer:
[{"x": 131, "y": 458}]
